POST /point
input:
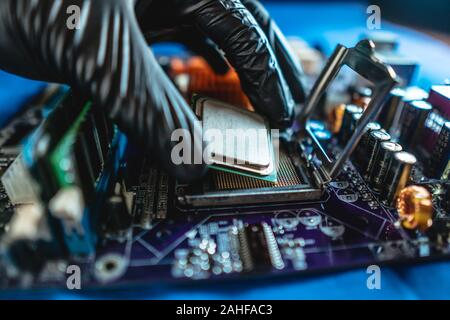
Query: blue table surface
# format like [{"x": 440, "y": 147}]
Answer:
[{"x": 327, "y": 25}]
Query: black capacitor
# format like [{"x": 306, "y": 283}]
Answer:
[
  {"x": 376, "y": 137},
  {"x": 415, "y": 93},
  {"x": 397, "y": 177},
  {"x": 382, "y": 162},
  {"x": 440, "y": 156},
  {"x": 389, "y": 109},
  {"x": 360, "y": 151},
  {"x": 412, "y": 121},
  {"x": 354, "y": 122},
  {"x": 361, "y": 148},
  {"x": 409, "y": 94},
  {"x": 361, "y": 96},
  {"x": 345, "y": 131}
]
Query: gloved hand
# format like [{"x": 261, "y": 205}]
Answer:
[{"x": 107, "y": 59}]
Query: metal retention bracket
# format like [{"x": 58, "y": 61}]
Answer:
[{"x": 362, "y": 60}]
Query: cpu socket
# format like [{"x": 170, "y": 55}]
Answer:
[{"x": 303, "y": 166}]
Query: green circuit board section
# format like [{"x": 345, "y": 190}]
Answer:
[{"x": 61, "y": 158}]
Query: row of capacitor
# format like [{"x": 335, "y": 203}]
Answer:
[
  {"x": 385, "y": 157},
  {"x": 383, "y": 163}
]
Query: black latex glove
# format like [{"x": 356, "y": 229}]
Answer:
[{"x": 108, "y": 60}]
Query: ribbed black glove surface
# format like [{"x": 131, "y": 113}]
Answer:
[{"x": 107, "y": 58}]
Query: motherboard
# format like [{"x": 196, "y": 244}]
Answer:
[{"x": 363, "y": 179}]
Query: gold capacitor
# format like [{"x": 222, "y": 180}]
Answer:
[{"x": 415, "y": 208}]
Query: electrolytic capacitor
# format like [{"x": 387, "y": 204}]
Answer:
[
  {"x": 440, "y": 156},
  {"x": 361, "y": 96},
  {"x": 360, "y": 150},
  {"x": 398, "y": 176},
  {"x": 390, "y": 108},
  {"x": 409, "y": 94},
  {"x": 373, "y": 144},
  {"x": 345, "y": 131},
  {"x": 354, "y": 122},
  {"x": 412, "y": 121},
  {"x": 381, "y": 164},
  {"x": 415, "y": 93}
]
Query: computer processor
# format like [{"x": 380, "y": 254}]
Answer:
[
  {"x": 240, "y": 141},
  {"x": 304, "y": 160},
  {"x": 287, "y": 176}
]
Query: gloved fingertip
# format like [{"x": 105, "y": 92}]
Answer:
[
  {"x": 212, "y": 55},
  {"x": 219, "y": 67}
]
